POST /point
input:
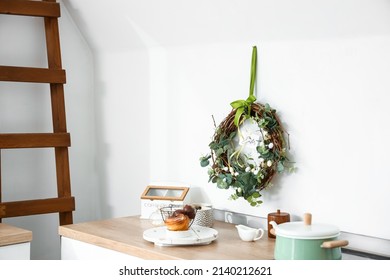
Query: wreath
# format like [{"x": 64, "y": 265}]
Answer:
[{"x": 248, "y": 148}]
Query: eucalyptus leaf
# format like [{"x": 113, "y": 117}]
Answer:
[
  {"x": 222, "y": 184},
  {"x": 204, "y": 163},
  {"x": 280, "y": 167},
  {"x": 229, "y": 179},
  {"x": 247, "y": 181},
  {"x": 232, "y": 135},
  {"x": 256, "y": 195},
  {"x": 213, "y": 145},
  {"x": 219, "y": 152}
]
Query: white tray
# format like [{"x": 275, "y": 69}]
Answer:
[{"x": 197, "y": 235}]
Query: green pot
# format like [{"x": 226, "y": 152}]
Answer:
[
  {"x": 304, "y": 241},
  {"x": 305, "y": 249}
]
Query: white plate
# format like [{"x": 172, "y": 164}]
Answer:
[{"x": 197, "y": 235}]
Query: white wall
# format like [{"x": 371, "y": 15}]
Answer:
[
  {"x": 332, "y": 96},
  {"x": 122, "y": 96},
  {"x": 30, "y": 174},
  {"x": 331, "y": 90},
  {"x": 122, "y": 120},
  {"x": 324, "y": 65}
]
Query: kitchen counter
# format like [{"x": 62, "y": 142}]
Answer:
[
  {"x": 14, "y": 243},
  {"x": 10, "y": 235},
  {"x": 125, "y": 235}
]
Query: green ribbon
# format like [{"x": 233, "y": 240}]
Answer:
[{"x": 241, "y": 105}]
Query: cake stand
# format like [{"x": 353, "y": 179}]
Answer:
[{"x": 196, "y": 235}]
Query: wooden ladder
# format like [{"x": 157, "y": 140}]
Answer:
[{"x": 59, "y": 139}]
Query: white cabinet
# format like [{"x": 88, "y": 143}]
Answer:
[
  {"x": 72, "y": 249},
  {"x": 19, "y": 251}
]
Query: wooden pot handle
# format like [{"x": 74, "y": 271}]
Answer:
[{"x": 334, "y": 244}]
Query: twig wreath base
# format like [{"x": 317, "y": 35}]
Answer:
[{"x": 247, "y": 176}]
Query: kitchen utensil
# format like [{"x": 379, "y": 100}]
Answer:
[
  {"x": 204, "y": 215},
  {"x": 307, "y": 241},
  {"x": 279, "y": 218},
  {"x": 248, "y": 233},
  {"x": 168, "y": 211},
  {"x": 198, "y": 236}
]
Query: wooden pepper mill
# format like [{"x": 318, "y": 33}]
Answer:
[{"x": 279, "y": 218}]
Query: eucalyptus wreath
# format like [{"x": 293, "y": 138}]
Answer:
[{"x": 229, "y": 166}]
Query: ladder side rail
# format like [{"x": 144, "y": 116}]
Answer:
[{"x": 58, "y": 113}]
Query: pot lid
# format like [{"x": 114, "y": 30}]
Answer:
[
  {"x": 301, "y": 231},
  {"x": 278, "y": 213},
  {"x": 306, "y": 230}
]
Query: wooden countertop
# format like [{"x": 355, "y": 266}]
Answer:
[
  {"x": 12, "y": 235},
  {"x": 126, "y": 235}
]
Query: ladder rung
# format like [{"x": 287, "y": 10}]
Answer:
[
  {"x": 30, "y": 8},
  {"x": 34, "y": 140},
  {"x": 36, "y": 207},
  {"x": 32, "y": 75}
]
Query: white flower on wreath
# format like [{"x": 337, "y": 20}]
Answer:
[
  {"x": 266, "y": 135},
  {"x": 269, "y": 163}
]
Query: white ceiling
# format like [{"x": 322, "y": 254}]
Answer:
[{"x": 123, "y": 24}]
